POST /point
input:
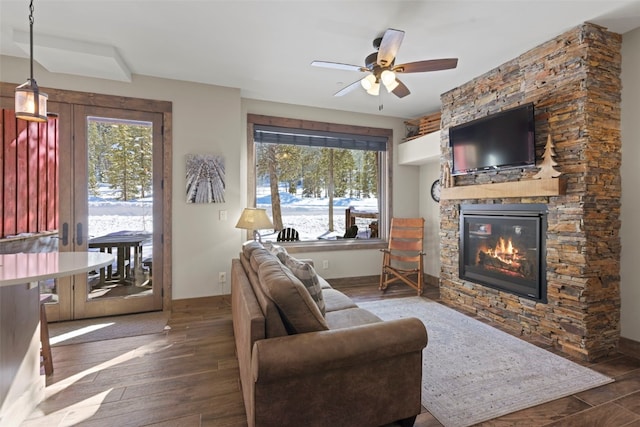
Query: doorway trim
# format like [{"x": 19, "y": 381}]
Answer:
[{"x": 72, "y": 98}]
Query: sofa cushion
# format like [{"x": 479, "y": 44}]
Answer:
[
  {"x": 336, "y": 300},
  {"x": 299, "y": 312},
  {"x": 274, "y": 325},
  {"x": 323, "y": 283},
  {"x": 260, "y": 255},
  {"x": 277, "y": 250},
  {"x": 350, "y": 317},
  {"x": 249, "y": 247},
  {"x": 307, "y": 275}
]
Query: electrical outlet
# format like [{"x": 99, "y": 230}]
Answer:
[
  {"x": 325, "y": 264},
  {"x": 222, "y": 277}
]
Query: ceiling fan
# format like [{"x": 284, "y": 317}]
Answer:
[{"x": 381, "y": 68}]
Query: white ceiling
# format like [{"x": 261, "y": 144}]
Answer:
[{"x": 265, "y": 48}]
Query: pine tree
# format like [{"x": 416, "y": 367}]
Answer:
[{"x": 547, "y": 169}]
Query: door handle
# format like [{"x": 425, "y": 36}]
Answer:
[
  {"x": 65, "y": 234},
  {"x": 79, "y": 234}
]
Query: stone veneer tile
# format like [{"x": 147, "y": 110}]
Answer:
[{"x": 574, "y": 83}]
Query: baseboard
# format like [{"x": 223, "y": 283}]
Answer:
[
  {"x": 629, "y": 347},
  {"x": 187, "y": 303}
]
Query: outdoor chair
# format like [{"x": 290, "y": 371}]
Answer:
[
  {"x": 404, "y": 257},
  {"x": 288, "y": 235}
]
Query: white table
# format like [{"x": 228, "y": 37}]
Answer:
[
  {"x": 21, "y": 385},
  {"x": 17, "y": 269}
]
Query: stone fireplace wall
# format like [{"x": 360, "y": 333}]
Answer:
[{"x": 574, "y": 83}]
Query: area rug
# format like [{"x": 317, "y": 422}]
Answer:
[
  {"x": 473, "y": 372},
  {"x": 106, "y": 328}
]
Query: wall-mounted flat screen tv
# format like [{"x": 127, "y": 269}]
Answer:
[{"x": 499, "y": 141}]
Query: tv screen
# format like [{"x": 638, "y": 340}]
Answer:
[{"x": 499, "y": 141}]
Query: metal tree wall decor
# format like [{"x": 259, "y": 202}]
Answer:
[{"x": 205, "y": 178}]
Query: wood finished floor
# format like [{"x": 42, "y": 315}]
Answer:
[{"x": 188, "y": 376}]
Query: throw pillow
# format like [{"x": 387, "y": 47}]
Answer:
[
  {"x": 299, "y": 312},
  {"x": 307, "y": 275},
  {"x": 249, "y": 247},
  {"x": 278, "y": 251},
  {"x": 259, "y": 256}
]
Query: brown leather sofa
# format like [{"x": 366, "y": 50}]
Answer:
[{"x": 302, "y": 367}]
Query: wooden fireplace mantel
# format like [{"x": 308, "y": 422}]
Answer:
[{"x": 528, "y": 188}]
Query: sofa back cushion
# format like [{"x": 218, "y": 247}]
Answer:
[
  {"x": 259, "y": 256},
  {"x": 307, "y": 275},
  {"x": 249, "y": 247},
  {"x": 274, "y": 327},
  {"x": 299, "y": 312}
]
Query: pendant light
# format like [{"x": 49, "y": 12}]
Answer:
[{"x": 31, "y": 104}]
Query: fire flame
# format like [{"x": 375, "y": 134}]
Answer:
[{"x": 504, "y": 251}]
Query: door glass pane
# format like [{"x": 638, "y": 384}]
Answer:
[{"x": 120, "y": 205}]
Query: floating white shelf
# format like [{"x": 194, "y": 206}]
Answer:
[{"x": 421, "y": 150}]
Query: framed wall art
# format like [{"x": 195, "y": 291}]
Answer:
[{"x": 205, "y": 178}]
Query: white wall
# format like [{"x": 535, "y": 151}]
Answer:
[
  {"x": 630, "y": 229},
  {"x": 430, "y": 211},
  {"x": 212, "y": 119}
]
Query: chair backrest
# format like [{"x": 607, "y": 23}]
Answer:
[
  {"x": 351, "y": 233},
  {"x": 288, "y": 235},
  {"x": 406, "y": 238}
]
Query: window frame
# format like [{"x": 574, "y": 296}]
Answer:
[{"x": 385, "y": 196}]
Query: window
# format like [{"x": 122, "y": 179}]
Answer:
[{"x": 329, "y": 182}]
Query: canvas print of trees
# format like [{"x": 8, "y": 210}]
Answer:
[{"x": 205, "y": 178}]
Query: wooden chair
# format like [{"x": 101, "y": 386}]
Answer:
[
  {"x": 288, "y": 235},
  {"x": 45, "y": 349},
  {"x": 404, "y": 257}
]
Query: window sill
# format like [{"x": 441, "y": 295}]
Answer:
[{"x": 333, "y": 245}]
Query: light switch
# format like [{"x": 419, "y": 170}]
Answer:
[{"x": 223, "y": 215}]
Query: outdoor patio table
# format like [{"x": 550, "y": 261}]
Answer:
[{"x": 123, "y": 244}]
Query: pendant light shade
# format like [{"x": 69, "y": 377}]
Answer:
[{"x": 30, "y": 103}]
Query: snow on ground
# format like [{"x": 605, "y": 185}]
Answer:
[{"x": 310, "y": 216}]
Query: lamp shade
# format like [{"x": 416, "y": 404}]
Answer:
[
  {"x": 368, "y": 82},
  {"x": 375, "y": 89},
  {"x": 30, "y": 103},
  {"x": 254, "y": 219}
]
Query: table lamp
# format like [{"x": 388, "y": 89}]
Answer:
[{"x": 254, "y": 219}]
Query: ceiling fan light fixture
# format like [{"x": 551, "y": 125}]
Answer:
[
  {"x": 391, "y": 86},
  {"x": 388, "y": 77},
  {"x": 368, "y": 82},
  {"x": 374, "y": 90}
]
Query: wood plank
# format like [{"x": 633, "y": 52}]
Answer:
[
  {"x": 171, "y": 379},
  {"x": 529, "y": 188},
  {"x": 22, "y": 182},
  {"x": 52, "y": 175},
  {"x": 32, "y": 176},
  {"x": 3, "y": 138}
]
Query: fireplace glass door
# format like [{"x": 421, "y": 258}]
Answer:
[{"x": 503, "y": 249}]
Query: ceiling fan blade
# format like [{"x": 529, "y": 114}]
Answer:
[
  {"x": 401, "y": 90},
  {"x": 389, "y": 46},
  {"x": 345, "y": 90},
  {"x": 429, "y": 65},
  {"x": 338, "y": 66}
]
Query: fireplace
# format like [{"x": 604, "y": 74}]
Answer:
[{"x": 503, "y": 247}]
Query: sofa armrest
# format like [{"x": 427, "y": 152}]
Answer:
[{"x": 315, "y": 352}]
